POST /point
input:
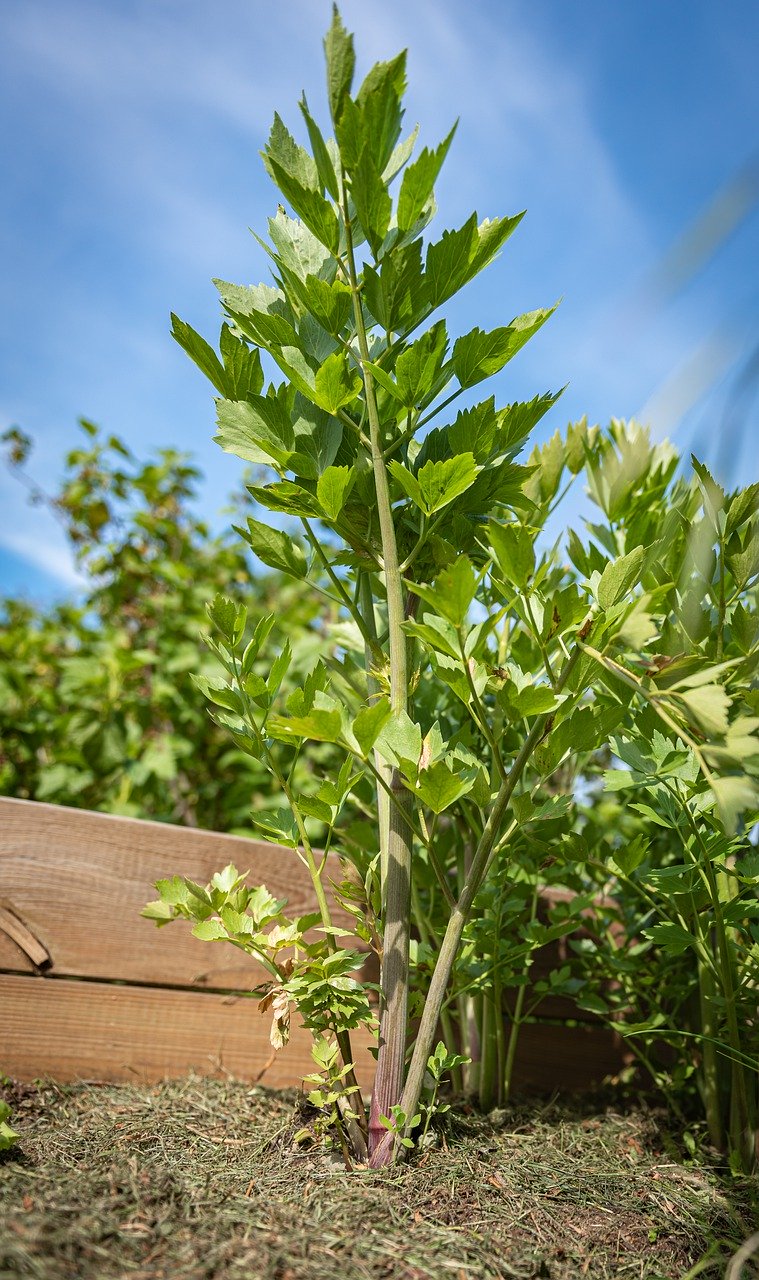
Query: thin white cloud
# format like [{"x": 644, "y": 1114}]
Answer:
[
  {"x": 42, "y": 545},
  {"x": 55, "y": 561}
]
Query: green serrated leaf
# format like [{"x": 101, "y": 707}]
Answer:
[
  {"x": 708, "y": 705},
  {"x": 310, "y": 205},
  {"x": 8, "y": 1136},
  {"x": 275, "y": 548},
  {"x": 417, "y": 368},
  {"x": 435, "y": 632},
  {"x": 370, "y": 722},
  {"x": 451, "y": 595},
  {"x": 257, "y": 430},
  {"x": 448, "y": 261},
  {"x": 324, "y": 165},
  {"x": 341, "y": 63},
  {"x": 218, "y": 692},
  {"x": 671, "y": 937},
  {"x": 228, "y": 617},
  {"x": 479, "y": 355},
  {"x": 620, "y": 577},
  {"x": 474, "y": 431},
  {"x": 371, "y": 199},
  {"x": 336, "y": 383},
  {"x": 629, "y": 856},
  {"x": 279, "y": 669},
  {"x": 319, "y": 725},
  {"x": 331, "y": 304},
  {"x": 743, "y": 506},
  {"x": 735, "y": 795},
  {"x": 289, "y": 156},
  {"x": 438, "y": 787},
  {"x": 210, "y": 931},
  {"x": 242, "y": 367},
  {"x": 437, "y": 483},
  {"x": 400, "y": 739},
  {"x": 492, "y": 234},
  {"x": 418, "y": 182},
  {"x": 200, "y": 352},
  {"x": 514, "y": 551},
  {"x": 287, "y": 497},
  {"x": 279, "y": 825},
  {"x": 332, "y": 489},
  {"x": 159, "y": 911}
]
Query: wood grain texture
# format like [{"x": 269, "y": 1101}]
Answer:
[
  {"x": 74, "y": 883},
  {"x": 555, "y": 1058},
  {"x": 99, "y": 1031},
  {"x": 78, "y": 881}
]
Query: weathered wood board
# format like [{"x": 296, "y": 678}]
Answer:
[
  {"x": 105, "y": 1031},
  {"x": 78, "y": 881},
  {"x": 72, "y": 1030},
  {"x": 91, "y": 990}
]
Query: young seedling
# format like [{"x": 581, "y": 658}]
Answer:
[{"x": 8, "y": 1136}]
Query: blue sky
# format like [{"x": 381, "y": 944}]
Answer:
[{"x": 129, "y": 155}]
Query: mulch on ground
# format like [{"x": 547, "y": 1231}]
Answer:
[{"x": 201, "y": 1180}]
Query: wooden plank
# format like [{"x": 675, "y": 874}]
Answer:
[
  {"x": 100, "y": 1031},
  {"x": 74, "y": 882},
  {"x": 552, "y": 1057},
  {"x": 97, "y": 1031},
  {"x": 78, "y": 880}
]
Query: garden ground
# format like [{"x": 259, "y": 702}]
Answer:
[{"x": 201, "y": 1180}]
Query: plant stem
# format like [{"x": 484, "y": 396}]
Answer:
[
  {"x": 489, "y": 1054},
  {"x": 740, "y": 1123},
  {"x": 430, "y": 939},
  {"x": 511, "y": 1052},
  {"x": 722, "y": 605},
  {"x": 516, "y": 1020},
  {"x": 357, "y": 1127},
  {"x": 539, "y": 640},
  {"x": 388, "y": 1082},
  {"x": 740, "y": 1126},
  {"x": 710, "y": 1068},
  {"x": 460, "y": 913},
  {"x": 477, "y": 711},
  {"x": 382, "y": 769},
  {"x": 369, "y": 640}
]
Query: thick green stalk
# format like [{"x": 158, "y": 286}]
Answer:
[
  {"x": 460, "y": 913},
  {"x": 742, "y": 1138},
  {"x": 511, "y": 1052},
  {"x": 397, "y": 886},
  {"x": 722, "y": 605},
  {"x": 373, "y": 689},
  {"x": 710, "y": 1069},
  {"x": 429, "y": 938},
  {"x": 516, "y": 1020},
  {"x": 488, "y": 1090},
  {"x": 742, "y": 1119}
]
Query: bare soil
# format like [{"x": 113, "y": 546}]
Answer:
[{"x": 202, "y": 1180}]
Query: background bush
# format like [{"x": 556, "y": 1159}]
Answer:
[{"x": 97, "y": 707}]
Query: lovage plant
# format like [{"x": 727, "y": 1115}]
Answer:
[{"x": 465, "y": 669}]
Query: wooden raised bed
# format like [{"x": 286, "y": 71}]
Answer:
[{"x": 91, "y": 990}]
